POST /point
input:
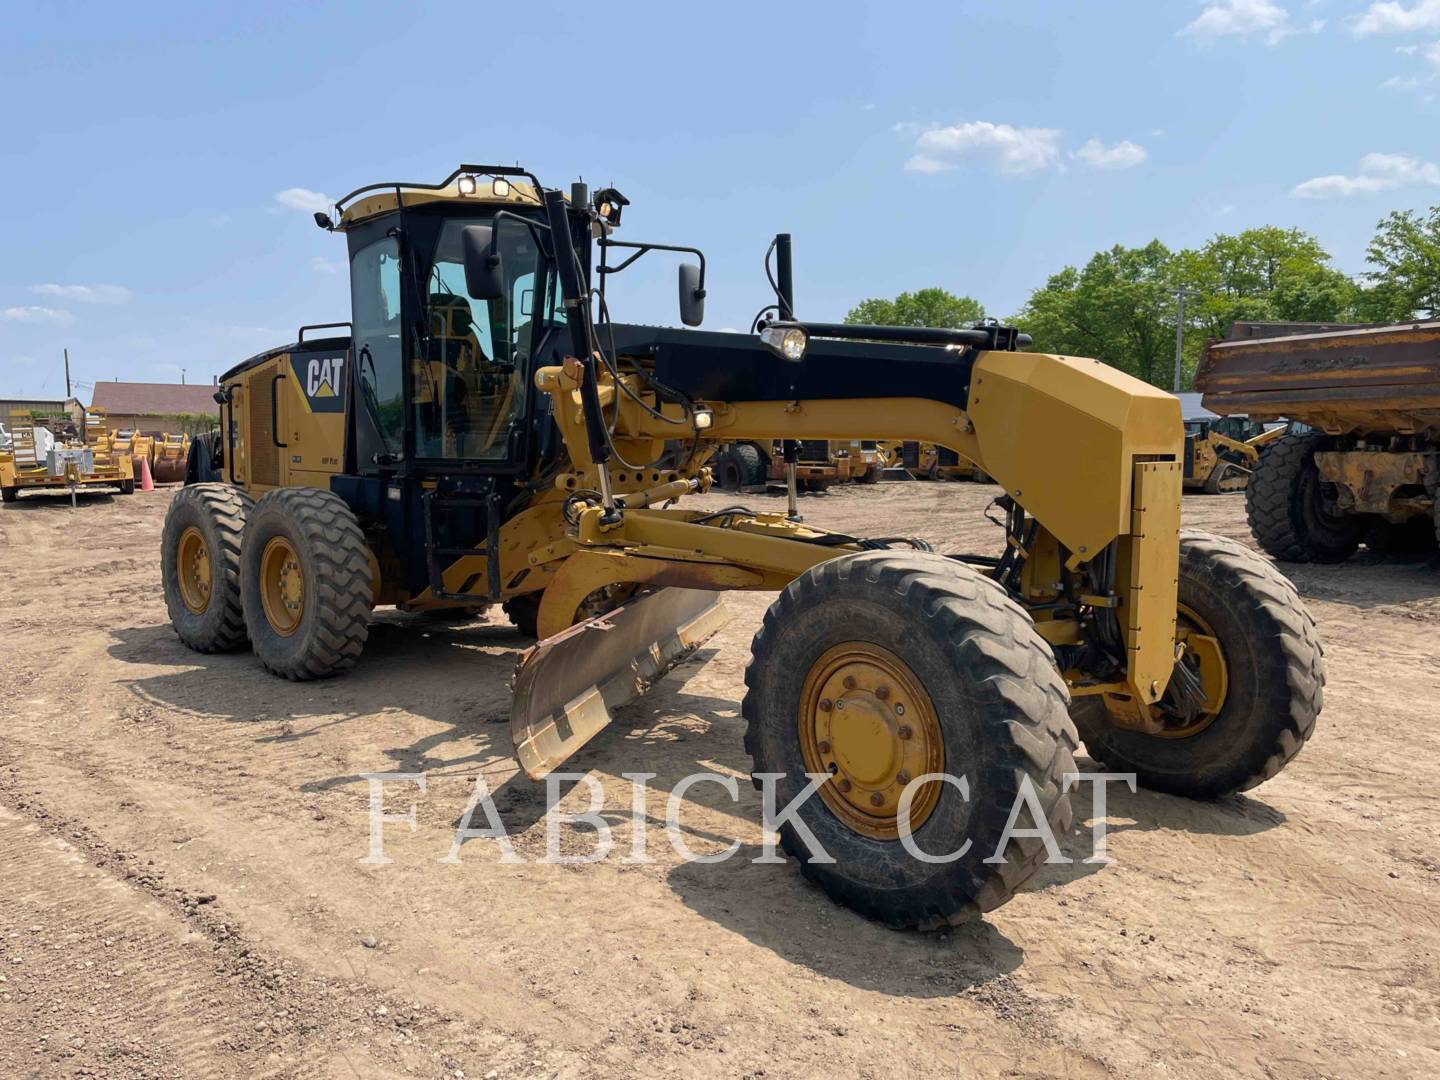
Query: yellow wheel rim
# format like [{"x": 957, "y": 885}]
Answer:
[
  {"x": 282, "y": 586},
  {"x": 1206, "y": 659},
  {"x": 866, "y": 719},
  {"x": 192, "y": 567}
]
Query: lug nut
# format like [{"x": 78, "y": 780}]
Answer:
[
  {"x": 904, "y": 731},
  {"x": 849, "y": 682},
  {"x": 825, "y": 704},
  {"x": 877, "y": 799},
  {"x": 824, "y": 747},
  {"x": 882, "y": 692},
  {"x": 843, "y": 784},
  {"x": 899, "y": 709},
  {"x": 903, "y": 776}
]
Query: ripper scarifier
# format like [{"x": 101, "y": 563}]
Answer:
[{"x": 481, "y": 433}]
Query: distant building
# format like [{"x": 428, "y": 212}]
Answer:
[
  {"x": 148, "y": 407},
  {"x": 48, "y": 406}
]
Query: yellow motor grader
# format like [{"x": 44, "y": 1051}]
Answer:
[{"x": 481, "y": 433}]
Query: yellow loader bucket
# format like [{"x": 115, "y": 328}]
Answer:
[{"x": 568, "y": 686}]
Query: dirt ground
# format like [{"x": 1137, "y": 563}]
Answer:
[{"x": 181, "y": 892}]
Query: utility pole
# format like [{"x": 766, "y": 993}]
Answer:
[
  {"x": 182, "y": 376},
  {"x": 67, "y": 375},
  {"x": 1180, "y": 294}
]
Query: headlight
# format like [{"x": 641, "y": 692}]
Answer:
[{"x": 786, "y": 342}]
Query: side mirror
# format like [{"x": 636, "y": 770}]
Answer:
[
  {"x": 484, "y": 275},
  {"x": 692, "y": 296}
]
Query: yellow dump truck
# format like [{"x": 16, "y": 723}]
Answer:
[{"x": 1366, "y": 466}]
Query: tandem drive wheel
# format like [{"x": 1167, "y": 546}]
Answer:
[
  {"x": 880, "y": 668},
  {"x": 1251, "y": 646},
  {"x": 305, "y": 580},
  {"x": 200, "y": 565}
]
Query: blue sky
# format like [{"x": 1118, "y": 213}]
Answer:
[{"x": 979, "y": 146}]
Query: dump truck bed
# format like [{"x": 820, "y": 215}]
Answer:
[{"x": 1364, "y": 380}]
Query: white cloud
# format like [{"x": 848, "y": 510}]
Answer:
[
  {"x": 85, "y": 294},
  {"x": 1400, "y": 82},
  {"x": 1389, "y": 17},
  {"x": 1123, "y": 155},
  {"x": 1243, "y": 19},
  {"x": 1011, "y": 150},
  {"x": 299, "y": 198},
  {"x": 1378, "y": 172},
  {"x": 1432, "y": 53},
  {"x": 325, "y": 266},
  {"x": 33, "y": 313}
]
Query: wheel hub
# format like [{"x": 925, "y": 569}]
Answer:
[
  {"x": 1205, "y": 661},
  {"x": 866, "y": 719},
  {"x": 192, "y": 567},
  {"x": 282, "y": 586}
]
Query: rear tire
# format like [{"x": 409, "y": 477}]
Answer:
[
  {"x": 1285, "y": 504},
  {"x": 997, "y": 709},
  {"x": 9, "y": 494},
  {"x": 202, "y": 584},
  {"x": 1275, "y": 681},
  {"x": 127, "y": 487},
  {"x": 305, "y": 579},
  {"x": 739, "y": 466}
]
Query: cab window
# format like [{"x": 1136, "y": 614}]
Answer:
[{"x": 470, "y": 377}]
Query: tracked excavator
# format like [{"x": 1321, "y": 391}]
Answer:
[{"x": 482, "y": 433}]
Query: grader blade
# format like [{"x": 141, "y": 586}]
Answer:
[{"x": 568, "y": 686}]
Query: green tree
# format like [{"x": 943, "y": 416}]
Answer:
[
  {"x": 1120, "y": 308},
  {"x": 1263, "y": 274},
  {"x": 1406, "y": 252},
  {"x": 924, "y": 307}
]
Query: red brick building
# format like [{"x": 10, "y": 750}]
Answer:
[{"x": 146, "y": 406}]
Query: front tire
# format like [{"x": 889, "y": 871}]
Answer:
[
  {"x": 9, "y": 494},
  {"x": 1273, "y": 681},
  {"x": 200, "y": 565},
  {"x": 305, "y": 579},
  {"x": 1288, "y": 510},
  {"x": 985, "y": 702}
]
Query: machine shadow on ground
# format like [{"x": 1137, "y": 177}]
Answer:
[
  {"x": 1367, "y": 581},
  {"x": 59, "y": 499},
  {"x": 672, "y": 733}
]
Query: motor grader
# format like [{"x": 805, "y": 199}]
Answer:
[{"x": 482, "y": 433}]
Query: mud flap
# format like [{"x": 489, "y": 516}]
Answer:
[{"x": 568, "y": 686}]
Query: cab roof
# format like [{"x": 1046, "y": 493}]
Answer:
[{"x": 373, "y": 200}]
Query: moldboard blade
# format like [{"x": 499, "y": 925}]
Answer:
[{"x": 568, "y": 686}]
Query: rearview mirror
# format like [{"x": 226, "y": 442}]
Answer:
[
  {"x": 484, "y": 275},
  {"x": 692, "y": 296}
]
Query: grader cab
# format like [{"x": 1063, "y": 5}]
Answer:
[{"x": 480, "y": 433}]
